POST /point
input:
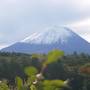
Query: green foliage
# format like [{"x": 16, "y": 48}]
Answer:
[
  {"x": 53, "y": 84},
  {"x": 55, "y": 71},
  {"x": 19, "y": 83},
  {"x": 49, "y": 87},
  {"x": 53, "y": 56},
  {"x": 58, "y": 83},
  {"x": 4, "y": 86},
  {"x": 32, "y": 87},
  {"x": 85, "y": 70},
  {"x": 29, "y": 71}
]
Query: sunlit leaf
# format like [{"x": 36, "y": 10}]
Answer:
[
  {"x": 19, "y": 83},
  {"x": 30, "y": 71},
  {"x": 32, "y": 87},
  {"x": 53, "y": 56},
  {"x": 4, "y": 86},
  {"x": 53, "y": 84}
]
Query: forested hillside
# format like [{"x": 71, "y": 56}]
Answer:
[{"x": 74, "y": 68}]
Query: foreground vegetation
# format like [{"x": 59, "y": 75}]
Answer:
[{"x": 54, "y": 71}]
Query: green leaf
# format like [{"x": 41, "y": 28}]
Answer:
[
  {"x": 58, "y": 83},
  {"x": 19, "y": 83},
  {"x": 32, "y": 87},
  {"x": 53, "y": 56},
  {"x": 30, "y": 71},
  {"x": 4, "y": 86},
  {"x": 53, "y": 84}
]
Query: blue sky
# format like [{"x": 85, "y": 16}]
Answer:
[{"x": 20, "y": 18}]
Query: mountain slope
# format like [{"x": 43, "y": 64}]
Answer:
[
  {"x": 54, "y": 38},
  {"x": 52, "y": 35}
]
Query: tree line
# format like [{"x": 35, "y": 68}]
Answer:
[{"x": 74, "y": 69}]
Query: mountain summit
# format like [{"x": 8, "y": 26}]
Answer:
[
  {"x": 50, "y": 36},
  {"x": 56, "y": 37}
]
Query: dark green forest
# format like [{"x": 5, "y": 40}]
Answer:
[{"x": 72, "y": 69}]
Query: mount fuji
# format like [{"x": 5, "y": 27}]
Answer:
[{"x": 61, "y": 38}]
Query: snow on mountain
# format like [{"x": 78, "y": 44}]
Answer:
[{"x": 52, "y": 35}]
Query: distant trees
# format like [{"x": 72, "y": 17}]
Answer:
[
  {"x": 85, "y": 72},
  {"x": 53, "y": 66}
]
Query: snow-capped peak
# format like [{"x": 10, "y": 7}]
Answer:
[{"x": 51, "y": 35}]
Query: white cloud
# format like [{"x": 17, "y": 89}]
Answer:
[
  {"x": 82, "y": 4},
  {"x": 1, "y": 35},
  {"x": 3, "y": 46},
  {"x": 82, "y": 28},
  {"x": 76, "y": 4},
  {"x": 21, "y": 17},
  {"x": 81, "y": 23}
]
